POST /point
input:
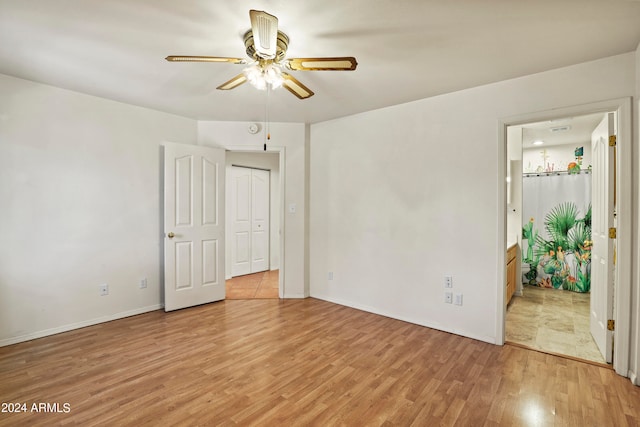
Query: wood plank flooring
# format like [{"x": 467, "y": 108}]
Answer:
[
  {"x": 296, "y": 363},
  {"x": 257, "y": 285}
]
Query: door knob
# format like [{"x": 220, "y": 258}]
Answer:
[{"x": 171, "y": 235}]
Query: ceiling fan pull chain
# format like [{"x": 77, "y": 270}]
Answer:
[{"x": 266, "y": 118}]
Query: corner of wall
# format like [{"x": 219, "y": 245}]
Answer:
[
  {"x": 307, "y": 204},
  {"x": 635, "y": 274}
]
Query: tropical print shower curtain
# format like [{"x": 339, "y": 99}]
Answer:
[{"x": 556, "y": 245}]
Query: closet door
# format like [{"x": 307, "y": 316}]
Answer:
[
  {"x": 241, "y": 220},
  {"x": 250, "y": 219},
  {"x": 259, "y": 220}
]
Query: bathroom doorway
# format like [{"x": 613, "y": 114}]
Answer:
[
  {"x": 619, "y": 303},
  {"x": 549, "y": 217}
]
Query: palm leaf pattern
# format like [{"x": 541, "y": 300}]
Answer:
[
  {"x": 559, "y": 221},
  {"x": 564, "y": 258}
]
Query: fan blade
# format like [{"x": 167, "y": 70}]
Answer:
[
  {"x": 295, "y": 87},
  {"x": 233, "y": 83},
  {"x": 265, "y": 33},
  {"x": 174, "y": 58},
  {"x": 345, "y": 63}
]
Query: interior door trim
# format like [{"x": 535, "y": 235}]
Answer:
[{"x": 624, "y": 265}]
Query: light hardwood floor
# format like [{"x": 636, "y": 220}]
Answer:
[
  {"x": 256, "y": 285},
  {"x": 300, "y": 362}
]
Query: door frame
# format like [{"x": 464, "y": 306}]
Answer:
[
  {"x": 282, "y": 171},
  {"x": 622, "y": 298}
]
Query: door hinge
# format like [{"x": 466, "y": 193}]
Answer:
[
  {"x": 612, "y": 140},
  {"x": 612, "y": 233},
  {"x": 611, "y": 325}
]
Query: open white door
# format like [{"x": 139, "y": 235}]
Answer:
[
  {"x": 193, "y": 225},
  {"x": 602, "y": 264}
]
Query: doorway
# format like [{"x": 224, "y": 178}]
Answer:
[
  {"x": 253, "y": 230},
  {"x": 551, "y": 165},
  {"x": 621, "y": 303}
]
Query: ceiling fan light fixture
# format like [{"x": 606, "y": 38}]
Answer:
[{"x": 262, "y": 75}]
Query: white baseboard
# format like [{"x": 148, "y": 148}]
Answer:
[
  {"x": 374, "y": 310},
  {"x": 290, "y": 295},
  {"x": 78, "y": 325}
]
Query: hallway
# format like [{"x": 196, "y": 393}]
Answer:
[{"x": 262, "y": 285}]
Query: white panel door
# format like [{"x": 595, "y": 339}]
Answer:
[
  {"x": 241, "y": 217},
  {"x": 193, "y": 225},
  {"x": 250, "y": 219},
  {"x": 602, "y": 265},
  {"x": 259, "y": 220}
]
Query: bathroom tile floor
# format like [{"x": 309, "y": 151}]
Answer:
[
  {"x": 552, "y": 321},
  {"x": 253, "y": 286}
]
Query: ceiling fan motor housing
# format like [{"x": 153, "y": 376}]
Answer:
[{"x": 282, "y": 43}]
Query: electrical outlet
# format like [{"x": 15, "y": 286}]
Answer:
[
  {"x": 448, "y": 281},
  {"x": 330, "y": 275},
  {"x": 458, "y": 299},
  {"x": 448, "y": 297},
  {"x": 104, "y": 289},
  {"x": 143, "y": 283}
]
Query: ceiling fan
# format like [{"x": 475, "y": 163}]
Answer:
[{"x": 266, "y": 47}]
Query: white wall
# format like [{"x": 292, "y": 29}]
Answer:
[
  {"x": 290, "y": 136},
  {"x": 404, "y": 195},
  {"x": 270, "y": 162},
  {"x": 80, "y": 190}
]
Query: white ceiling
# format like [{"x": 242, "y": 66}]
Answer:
[
  {"x": 561, "y": 131},
  {"x": 406, "y": 49}
]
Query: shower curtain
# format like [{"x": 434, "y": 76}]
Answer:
[{"x": 556, "y": 247}]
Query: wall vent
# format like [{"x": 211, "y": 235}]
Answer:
[{"x": 560, "y": 128}]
